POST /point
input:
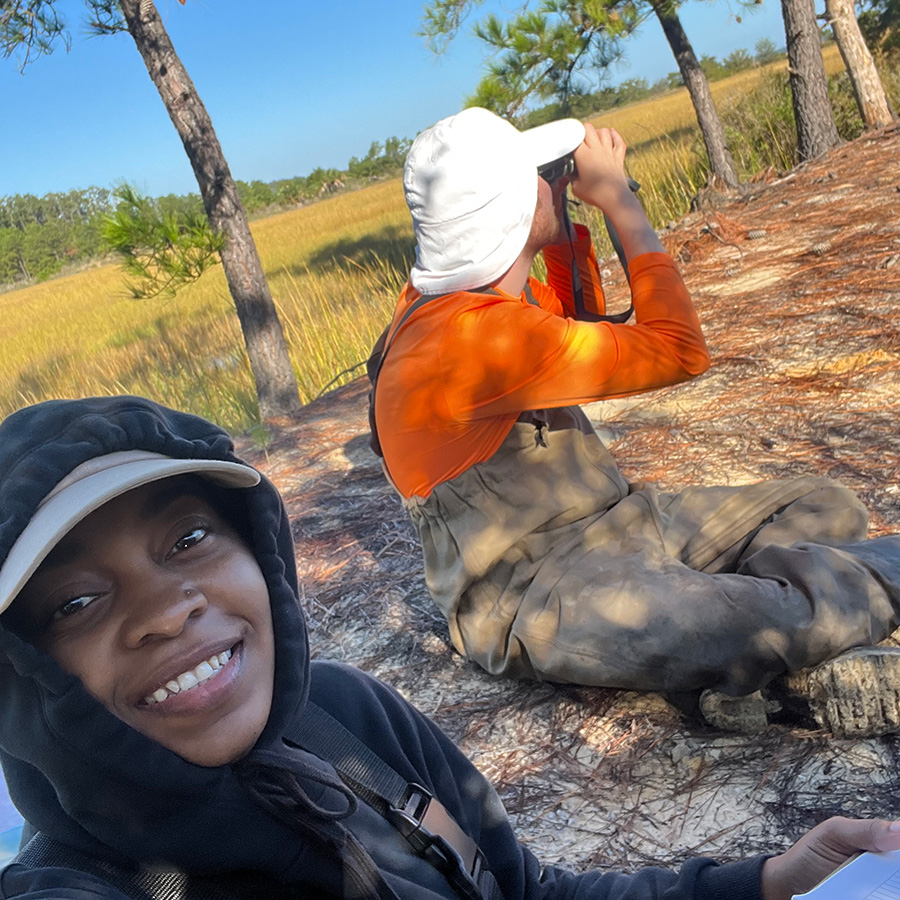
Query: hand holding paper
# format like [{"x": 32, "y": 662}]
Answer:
[
  {"x": 827, "y": 847},
  {"x": 869, "y": 876}
]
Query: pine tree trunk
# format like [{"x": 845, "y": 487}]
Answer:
[
  {"x": 816, "y": 131},
  {"x": 711, "y": 127},
  {"x": 870, "y": 96},
  {"x": 276, "y": 384}
]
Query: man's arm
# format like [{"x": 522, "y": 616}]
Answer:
[
  {"x": 601, "y": 182},
  {"x": 520, "y": 357}
]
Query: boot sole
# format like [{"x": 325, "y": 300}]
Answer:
[{"x": 856, "y": 694}]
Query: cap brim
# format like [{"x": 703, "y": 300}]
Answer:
[
  {"x": 65, "y": 508},
  {"x": 550, "y": 142}
]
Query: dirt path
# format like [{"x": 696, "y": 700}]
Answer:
[{"x": 798, "y": 286}]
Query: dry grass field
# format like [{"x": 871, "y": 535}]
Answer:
[
  {"x": 334, "y": 269},
  {"x": 672, "y": 113}
]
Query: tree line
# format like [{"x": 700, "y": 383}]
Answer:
[{"x": 39, "y": 236}]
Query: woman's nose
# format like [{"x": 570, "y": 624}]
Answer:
[{"x": 162, "y": 611}]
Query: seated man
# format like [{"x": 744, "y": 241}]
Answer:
[
  {"x": 546, "y": 562},
  {"x": 164, "y": 731}
]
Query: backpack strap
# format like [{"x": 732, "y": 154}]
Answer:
[
  {"x": 138, "y": 882},
  {"x": 380, "y": 350},
  {"x": 43, "y": 851},
  {"x": 412, "y": 809},
  {"x": 373, "y": 368},
  {"x": 382, "y": 345}
]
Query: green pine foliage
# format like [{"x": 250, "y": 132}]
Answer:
[
  {"x": 880, "y": 24},
  {"x": 161, "y": 250},
  {"x": 558, "y": 51},
  {"x": 30, "y": 28}
]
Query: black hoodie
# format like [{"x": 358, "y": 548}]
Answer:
[{"x": 85, "y": 778}]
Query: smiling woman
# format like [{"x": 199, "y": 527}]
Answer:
[{"x": 160, "y": 609}]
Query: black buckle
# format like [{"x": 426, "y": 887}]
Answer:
[
  {"x": 435, "y": 836},
  {"x": 407, "y": 819}
]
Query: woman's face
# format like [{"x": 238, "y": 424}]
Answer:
[{"x": 160, "y": 609}]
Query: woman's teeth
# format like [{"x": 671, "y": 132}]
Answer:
[{"x": 187, "y": 680}]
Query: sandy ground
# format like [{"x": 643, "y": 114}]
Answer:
[{"x": 797, "y": 284}]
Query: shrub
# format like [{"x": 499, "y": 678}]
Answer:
[
  {"x": 760, "y": 127},
  {"x": 760, "y": 124}
]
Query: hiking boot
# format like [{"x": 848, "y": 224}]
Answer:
[
  {"x": 748, "y": 714},
  {"x": 856, "y": 694}
]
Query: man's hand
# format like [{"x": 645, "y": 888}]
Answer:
[
  {"x": 600, "y": 162},
  {"x": 819, "y": 852},
  {"x": 601, "y": 182}
]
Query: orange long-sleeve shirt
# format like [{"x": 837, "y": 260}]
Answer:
[{"x": 464, "y": 366}]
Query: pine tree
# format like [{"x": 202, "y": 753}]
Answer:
[
  {"x": 545, "y": 50},
  {"x": 30, "y": 28}
]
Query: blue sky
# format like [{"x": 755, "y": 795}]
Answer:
[{"x": 290, "y": 85}]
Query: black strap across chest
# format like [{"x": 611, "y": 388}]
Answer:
[
  {"x": 421, "y": 818},
  {"x": 145, "y": 883},
  {"x": 411, "y": 808}
]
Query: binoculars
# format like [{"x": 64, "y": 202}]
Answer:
[{"x": 559, "y": 168}]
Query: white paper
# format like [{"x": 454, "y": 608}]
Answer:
[{"x": 870, "y": 876}]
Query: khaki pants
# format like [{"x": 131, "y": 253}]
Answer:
[{"x": 549, "y": 565}]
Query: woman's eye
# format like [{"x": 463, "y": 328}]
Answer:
[
  {"x": 75, "y": 605},
  {"x": 186, "y": 541}
]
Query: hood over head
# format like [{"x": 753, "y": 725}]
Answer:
[{"x": 76, "y": 771}]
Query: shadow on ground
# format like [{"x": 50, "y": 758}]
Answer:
[{"x": 392, "y": 246}]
